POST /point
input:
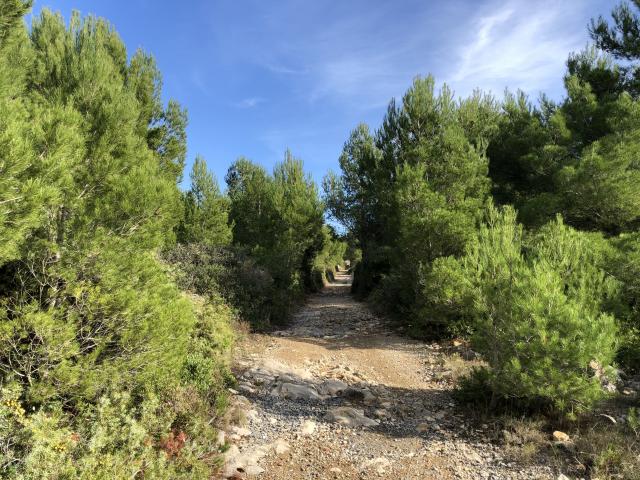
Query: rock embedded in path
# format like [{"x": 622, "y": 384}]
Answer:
[
  {"x": 308, "y": 427},
  {"x": 237, "y": 462},
  {"x": 379, "y": 465},
  {"x": 332, "y": 387},
  {"x": 381, "y": 413},
  {"x": 293, "y": 391},
  {"x": 281, "y": 447},
  {"x": 349, "y": 416},
  {"x": 423, "y": 427}
]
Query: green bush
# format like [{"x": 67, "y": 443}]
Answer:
[
  {"x": 624, "y": 263},
  {"x": 278, "y": 221},
  {"x": 537, "y": 311},
  {"x": 205, "y": 270},
  {"x": 107, "y": 369}
]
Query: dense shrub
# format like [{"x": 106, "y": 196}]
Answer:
[
  {"x": 232, "y": 273},
  {"x": 537, "y": 308},
  {"x": 278, "y": 220},
  {"x": 102, "y": 357},
  {"x": 332, "y": 256},
  {"x": 624, "y": 263}
]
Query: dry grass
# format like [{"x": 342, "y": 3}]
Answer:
[
  {"x": 611, "y": 451},
  {"x": 459, "y": 367},
  {"x": 523, "y": 439},
  {"x": 599, "y": 448}
]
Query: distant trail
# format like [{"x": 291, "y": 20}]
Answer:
[{"x": 340, "y": 358}]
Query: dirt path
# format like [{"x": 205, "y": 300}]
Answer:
[{"x": 337, "y": 395}]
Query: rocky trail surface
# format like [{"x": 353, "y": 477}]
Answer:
[{"x": 338, "y": 395}]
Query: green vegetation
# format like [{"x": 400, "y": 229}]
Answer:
[
  {"x": 512, "y": 223},
  {"x": 118, "y": 292},
  {"x": 546, "y": 284}
]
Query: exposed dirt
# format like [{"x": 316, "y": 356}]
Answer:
[{"x": 404, "y": 385}]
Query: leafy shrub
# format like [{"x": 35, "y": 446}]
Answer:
[
  {"x": 229, "y": 272},
  {"x": 537, "y": 312},
  {"x": 331, "y": 256},
  {"x": 624, "y": 264}
]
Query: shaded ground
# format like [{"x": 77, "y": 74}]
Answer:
[{"x": 404, "y": 385}]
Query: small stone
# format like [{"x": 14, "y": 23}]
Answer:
[
  {"x": 474, "y": 457},
  {"x": 379, "y": 465},
  {"x": 335, "y": 470},
  {"x": 308, "y": 427},
  {"x": 220, "y": 438},
  {"x": 241, "y": 431},
  {"x": 559, "y": 436},
  {"x": 254, "y": 470},
  {"x": 380, "y": 413},
  {"x": 562, "y": 476},
  {"x": 423, "y": 427},
  {"x": 246, "y": 389},
  {"x": 280, "y": 446}
]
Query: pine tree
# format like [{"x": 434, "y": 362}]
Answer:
[
  {"x": 538, "y": 312},
  {"x": 206, "y": 210},
  {"x": 622, "y": 40},
  {"x": 22, "y": 194}
]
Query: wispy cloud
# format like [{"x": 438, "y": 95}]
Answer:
[
  {"x": 518, "y": 45},
  {"x": 361, "y": 53},
  {"x": 200, "y": 83},
  {"x": 250, "y": 102},
  {"x": 284, "y": 70}
]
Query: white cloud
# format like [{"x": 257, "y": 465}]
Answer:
[
  {"x": 521, "y": 45},
  {"x": 250, "y": 102},
  {"x": 360, "y": 54}
]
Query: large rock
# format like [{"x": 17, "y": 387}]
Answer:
[
  {"x": 272, "y": 370},
  {"x": 237, "y": 462},
  {"x": 349, "y": 416},
  {"x": 332, "y": 387},
  {"x": 294, "y": 391}
]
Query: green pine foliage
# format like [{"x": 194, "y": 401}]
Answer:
[
  {"x": 278, "y": 220},
  {"x": 206, "y": 210},
  {"x": 118, "y": 291},
  {"x": 102, "y": 358},
  {"x": 540, "y": 296},
  {"x": 537, "y": 310}
]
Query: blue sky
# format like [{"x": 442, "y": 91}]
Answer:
[{"x": 258, "y": 76}]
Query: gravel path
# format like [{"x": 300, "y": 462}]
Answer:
[{"x": 338, "y": 395}]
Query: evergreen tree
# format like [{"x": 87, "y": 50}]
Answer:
[
  {"x": 440, "y": 187},
  {"x": 538, "y": 311},
  {"x": 205, "y": 210},
  {"x": 88, "y": 195},
  {"x": 356, "y": 199},
  {"x": 22, "y": 194},
  {"x": 622, "y": 40},
  {"x": 279, "y": 219}
]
